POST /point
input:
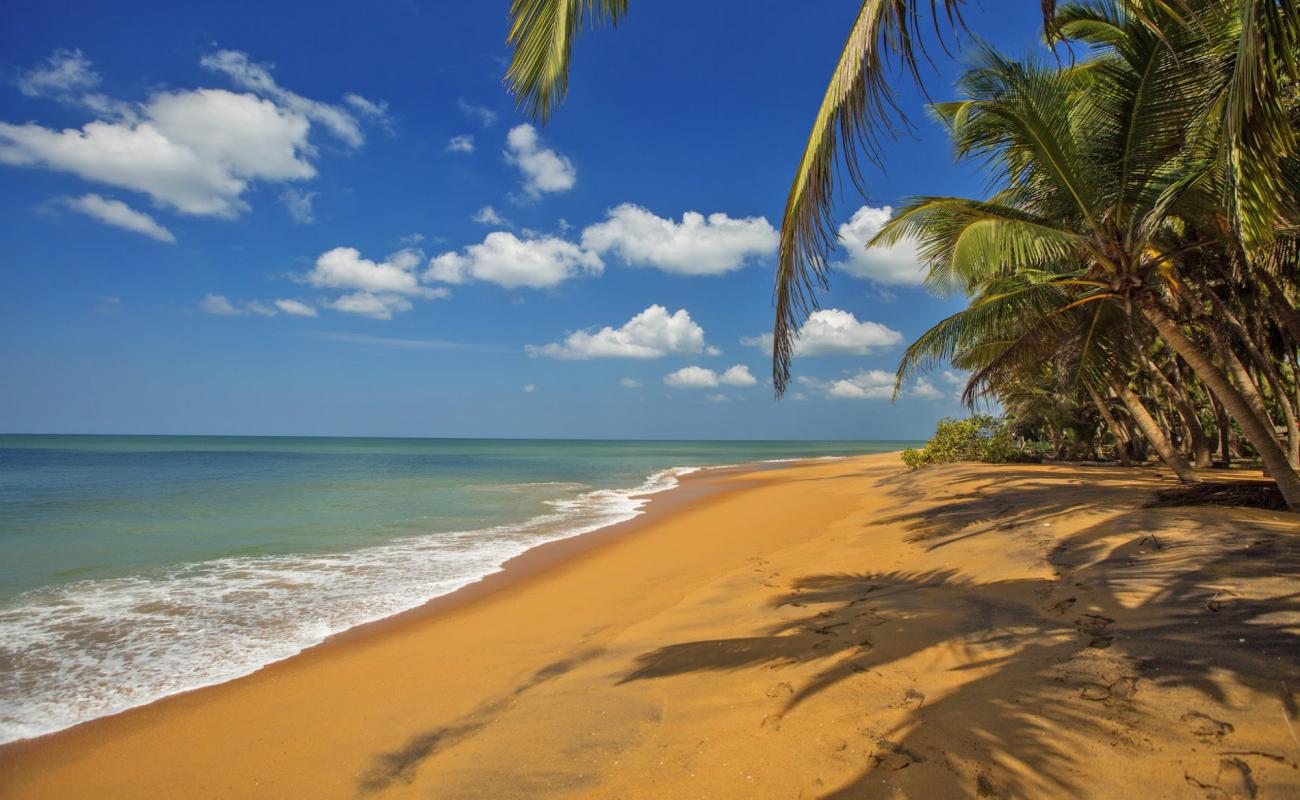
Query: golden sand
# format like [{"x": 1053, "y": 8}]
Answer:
[{"x": 832, "y": 629}]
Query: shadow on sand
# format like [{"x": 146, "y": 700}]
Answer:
[{"x": 1057, "y": 657}]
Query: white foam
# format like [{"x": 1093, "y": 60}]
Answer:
[{"x": 93, "y": 648}]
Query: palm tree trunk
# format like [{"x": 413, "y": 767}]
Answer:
[
  {"x": 1121, "y": 447},
  {"x": 1225, "y": 430},
  {"x": 1262, "y": 437},
  {"x": 1163, "y": 447}
]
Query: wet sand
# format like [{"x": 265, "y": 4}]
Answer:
[{"x": 830, "y": 629}]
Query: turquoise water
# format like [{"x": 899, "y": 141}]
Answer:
[{"x": 134, "y": 567}]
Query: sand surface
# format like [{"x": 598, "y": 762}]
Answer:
[{"x": 835, "y": 629}]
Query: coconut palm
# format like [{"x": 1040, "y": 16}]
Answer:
[{"x": 1113, "y": 179}]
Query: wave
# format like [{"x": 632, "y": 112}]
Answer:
[{"x": 92, "y": 648}]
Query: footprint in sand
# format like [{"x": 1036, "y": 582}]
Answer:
[
  {"x": 1063, "y": 606},
  {"x": 1205, "y": 727},
  {"x": 893, "y": 757},
  {"x": 911, "y": 699}
]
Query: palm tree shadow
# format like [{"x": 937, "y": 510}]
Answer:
[{"x": 1059, "y": 660}]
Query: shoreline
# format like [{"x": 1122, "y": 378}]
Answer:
[
  {"x": 832, "y": 629},
  {"x": 687, "y": 487}
]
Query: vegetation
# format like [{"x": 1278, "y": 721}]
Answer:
[
  {"x": 1133, "y": 275},
  {"x": 978, "y": 438}
]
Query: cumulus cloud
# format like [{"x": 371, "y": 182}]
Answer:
[
  {"x": 299, "y": 205},
  {"x": 653, "y": 333},
  {"x": 697, "y": 245},
  {"x": 530, "y": 387},
  {"x": 507, "y": 260},
  {"x": 295, "y": 308},
  {"x": 871, "y": 384},
  {"x": 218, "y": 304},
  {"x": 118, "y": 214},
  {"x": 924, "y": 390},
  {"x": 370, "y": 304},
  {"x": 484, "y": 116},
  {"x": 897, "y": 264},
  {"x": 196, "y": 151},
  {"x": 64, "y": 72},
  {"x": 346, "y": 268},
  {"x": 629, "y": 383},
  {"x": 460, "y": 144},
  {"x": 738, "y": 375},
  {"x": 375, "y": 289},
  {"x": 257, "y": 78},
  {"x": 543, "y": 170},
  {"x": 953, "y": 379},
  {"x": 487, "y": 215},
  {"x": 833, "y": 332},
  {"x": 718, "y": 398},
  {"x": 694, "y": 377}
]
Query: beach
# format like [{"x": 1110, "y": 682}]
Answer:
[{"x": 834, "y": 628}]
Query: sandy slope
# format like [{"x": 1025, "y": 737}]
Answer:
[{"x": 838, "y": 629}]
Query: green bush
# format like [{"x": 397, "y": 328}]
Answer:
[{"x": 977, "y": 438}]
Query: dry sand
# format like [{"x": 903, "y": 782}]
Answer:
[{"x": 834, "y": 629}]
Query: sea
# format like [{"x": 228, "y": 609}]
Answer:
[{"x": 136, "y": 567}]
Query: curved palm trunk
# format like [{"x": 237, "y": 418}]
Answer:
[
  {"x": 1121, "y": 446},
  {"x": 1288, "y": 481},
  {"x": 1163, "y": 447},
  {"x": 1225, "y": 431}
]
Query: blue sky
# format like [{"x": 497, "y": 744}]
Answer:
[{"x": 271, "y": 218}]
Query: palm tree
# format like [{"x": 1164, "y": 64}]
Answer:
[{"x": 1113, "y": 177}]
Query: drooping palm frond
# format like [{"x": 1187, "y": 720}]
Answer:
[
  {"x": 855, "y": 111},
  {"x": 542, "y": 33},
  {"x": 1258, "y": 130},
  {"x": 965, "y": 242}
]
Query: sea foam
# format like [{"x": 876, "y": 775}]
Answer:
[{"x": 89, "y": 649}]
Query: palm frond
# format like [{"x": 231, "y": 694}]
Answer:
[{"x": 542, "y": 33}]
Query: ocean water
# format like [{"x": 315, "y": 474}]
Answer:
[{"x": 134, "y": 567}]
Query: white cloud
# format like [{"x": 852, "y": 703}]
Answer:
[
  {"x": 653, "y": 333},
  {"x": 833, "y": 332},
  {"x": 119, "y": 214},
  {"x": 871, "y": 384},
  {"x": 953, "y": 379},
  {"x": 218, "y": 304},
  {"x": 411, "y": 239},
  {"x": 738, "y": 375},
  {"x": 697, "y": 245},
  {"x": 257, "y": 78},
  {"x": 295, "y": 308},
  {"x": 530, "y": 387},
  {"x": 484, "y": 116},
  {"x": 460, "y": 144},
  {"x": 694, "y": 377},
  {"x": 897, "y": 264},
  {"x": 924, "y": 390},
  {"x": 345, "y": 268},
  {"x": 544, "y": 170},
  {"x": 222, "y": 306},
  {"x": 376, "y": 110},
  {"x": 196, "y": 151},
  {"x": 299, "y": 205},
  {"x": 369, "y": 304},
  {"x": 64, "y": 72},
  {"x": 718, "y": 398},
  {"x": 629, "y": 383},
  {"x": 487, "y": 215},
  {"x": 507, "y": 260}
]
